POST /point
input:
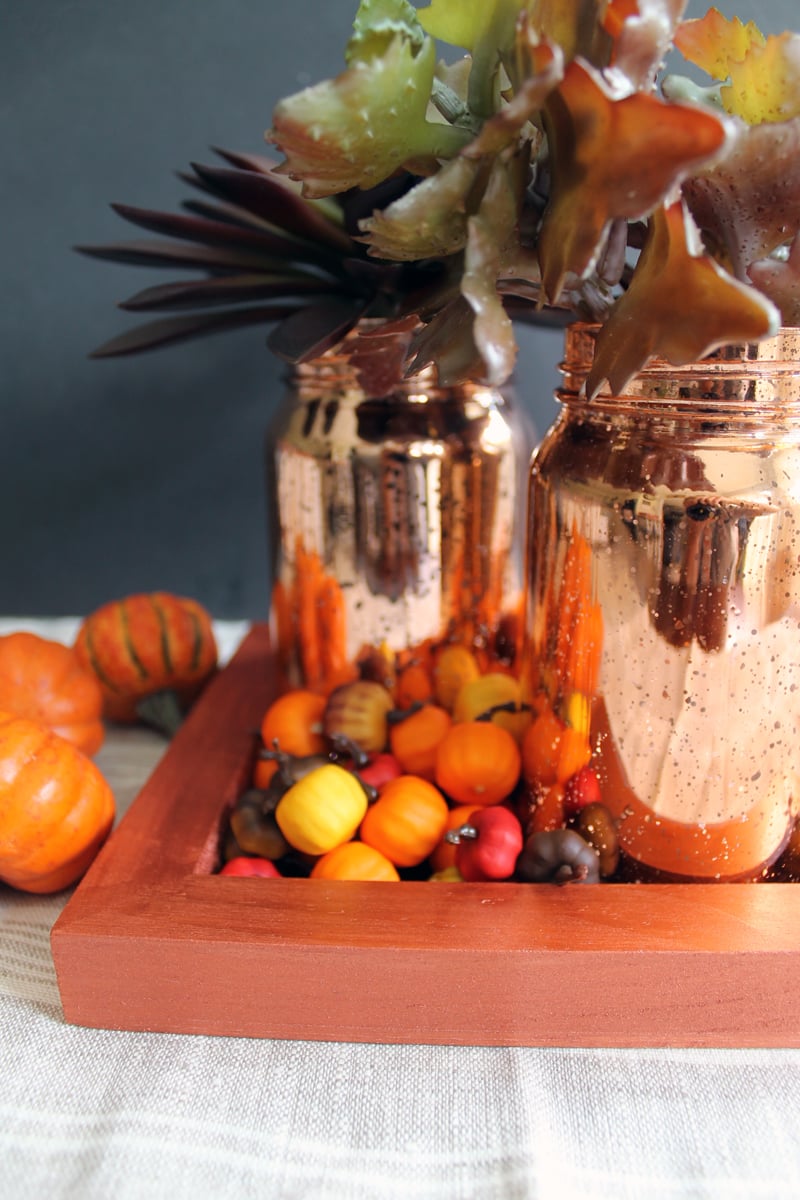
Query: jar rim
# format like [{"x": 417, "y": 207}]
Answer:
[{"x": 743, "y": 378}]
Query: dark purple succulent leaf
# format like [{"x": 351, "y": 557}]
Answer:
[
  {"x": 237, "y": 214},
  {"x": 168, "y": 331},
  {"x": 179, "y": 254},
  {"x": 225, "y": 214},
  {"x": 237, "y": 289},
  {"x": 428, "y": 287},
  {"x": 376, "y": 276},
  {"x": 209, "y": 232},
  {"x": 261, "y": 164},
  {"x": 448, "y": 343},
  {"x": 274, "y": 200},
  {"x": 307, "y": 334},
  {"x": 379, "y": 355}
]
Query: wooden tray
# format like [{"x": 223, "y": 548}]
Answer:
[{"x": 151, "y": 940}]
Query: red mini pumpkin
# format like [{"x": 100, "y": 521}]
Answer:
[
  {"x": 47, "y": 682},
  {"x": 56, "y": 808},
  {"x": 144, "y": 644}
]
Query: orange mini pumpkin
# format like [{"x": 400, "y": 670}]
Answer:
[
  {"x": 407, "y": 821},
  {"x": 355, "y": 860},
  {"x": 56, "y": 809},
  {"x": 47, "y": 682},
  {"x": 147, "y": 643},
  {"x": 294, "y": 721},
  {"x": 415, "y": 739},
  {"x": 477, "y": 762},
  {"x": 414, "y": 685}
]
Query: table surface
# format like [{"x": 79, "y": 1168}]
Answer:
[{"x": 94, "y": 1113}]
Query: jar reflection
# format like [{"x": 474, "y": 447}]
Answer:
[{"x": 396, "y": 518}]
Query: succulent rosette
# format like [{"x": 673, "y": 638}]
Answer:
[{"x": 478, "y": 162}]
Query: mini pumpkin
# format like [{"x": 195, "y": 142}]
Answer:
[
  {"x": 454, "y": 666},
  {"x": 294, "y": 721},
  {"x": 407, "y": 821},
  {"x": 146, "y": 644},
  {"x": 415, "y": 738},
  {"x": 47, "y": 682},
  {"x": 496, "y": 696},
  {"x": 355, "y": 860},
  {"x": 56, "y": 808},
  {"x": 321, "y": 810},
  {"x": 359, "y": 711},
  {"x": 477, "y": 762}
]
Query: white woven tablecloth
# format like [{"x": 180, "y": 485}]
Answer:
[{"x": 98, "y": 1115}]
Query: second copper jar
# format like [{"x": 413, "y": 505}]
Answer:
[{"x": 663, "y": 611}]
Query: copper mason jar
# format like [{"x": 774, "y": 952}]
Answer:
[
  {"x": 395, "y": 515},
  {"x": 663, "y": 600}
]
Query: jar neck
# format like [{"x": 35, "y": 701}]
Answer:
[
  {"x": 368, "y": 364},
  {"x": 750, "y": 381}
]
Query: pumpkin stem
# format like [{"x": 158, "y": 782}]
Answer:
[
  {"x": 161, "y": 711},
  {"x": 396, "y": 715},
  {"x": 510, "y": 706},
  {"x": 342, "y": 744},
  {"x": 464, "y": 833},
  {"x": 570, "y": 873}
]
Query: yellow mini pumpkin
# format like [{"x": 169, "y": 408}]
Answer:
[{"x": 322, "y": 810}]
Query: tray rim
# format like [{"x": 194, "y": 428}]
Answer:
[{"x": 151, "y": 939}]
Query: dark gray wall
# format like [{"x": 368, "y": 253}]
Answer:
[{"x": 146, "y": 473}]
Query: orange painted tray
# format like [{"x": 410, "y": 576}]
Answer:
[{"x": 152, "y": 940}]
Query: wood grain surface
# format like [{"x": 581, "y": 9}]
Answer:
[{"x": 152, "y": 939}]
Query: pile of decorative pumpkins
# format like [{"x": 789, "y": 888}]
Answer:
[
  {"x": 432, "y": 768},
  {"x": 56, "y": 807}
]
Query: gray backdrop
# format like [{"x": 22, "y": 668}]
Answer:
[{"x": 145, "y": 472}]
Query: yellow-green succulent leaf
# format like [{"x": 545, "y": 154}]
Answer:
[
  {"x": 714, "y": 43},
  {"x": 544, "y": 70},
  {"x": 430, "y": 220},
  {"x": 765, "y": 85},
  {"x": 491, "y": 242},
  {"x": 486, "y": 28},
  {"x": 466, "y": 23},
  {"x": 376, "y": 23},
  {"x": 357, "y": 129}
]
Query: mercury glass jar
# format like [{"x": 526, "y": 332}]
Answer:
[
  {"x": 663, "y": 601},
  {"x": 395, "y": 514}
]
